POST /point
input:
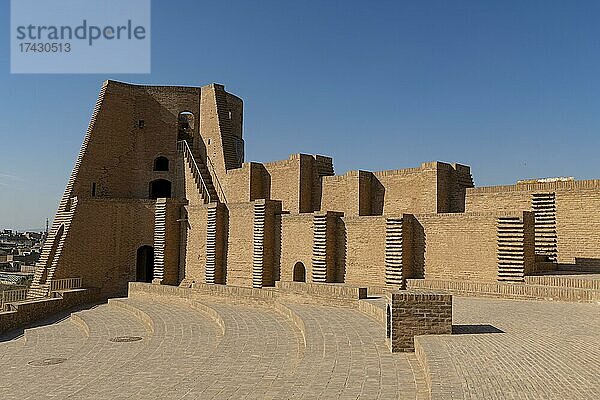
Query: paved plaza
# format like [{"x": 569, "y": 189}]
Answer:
[{"x": 161, "y": 347}]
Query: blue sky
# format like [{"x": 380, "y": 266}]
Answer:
[{"x": 510, "y": 88}]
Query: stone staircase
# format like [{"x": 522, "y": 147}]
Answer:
[
  {"x": 52, "y": 251},
  {"x": 200, "y": 172}
]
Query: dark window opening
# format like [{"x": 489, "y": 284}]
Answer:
[
  {"x": 161, "y": 164},
  {"x": 145, "y": 264},
  {"x": 299, "y": 272},
  {"x": 94, "y": 189},
  {"x": 185, "y": 126},
  {"x": 160, "y": 188},
  {"x": 141, "y": 123}
]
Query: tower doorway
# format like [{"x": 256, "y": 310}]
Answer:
[
  {"x": 299, "y": 272},
  {"x": 160, "y": 188},
  {"x": 145, "y": 264}
]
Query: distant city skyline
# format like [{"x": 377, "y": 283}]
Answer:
[{"x": 510, "y": 88}]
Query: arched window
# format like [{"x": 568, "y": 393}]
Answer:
[
  {"x": 299, "y": 272},
  {"x": 160, "y": 188},
  {"x": 144, "y": 264},
  {"x": 161, "y": 164}
]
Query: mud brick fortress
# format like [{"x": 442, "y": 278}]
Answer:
[
  {"x": 187, "y": 272},
  {"x": 160, "y": 192}
]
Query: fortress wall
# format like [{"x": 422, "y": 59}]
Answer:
[
  {"x": 271, "y": 242},
  {"x": 102, "y": 242},
  {"x": 458, "y": 246},
  {"x": 578, "y": 226},
  {"x": 284, "y": 182},
  {"x": 240, "y": 244},
  {"x": 195, "y": 256},
  {"x": 365, "y": 253},
  {"x": 236, "y": 106},
  {"x": 577, "y": 217},
  {"x": 119, "y": 154},
  {"x": 411, "y": 190},
  {"x": 286, "y": 178},
  {"x": 172, "y": 242},
  {"x": 452, "y": 179},
  {"x": 349, "y": 193},
  {"x": 296, "y": 244},
  {"x": 308, "y": 174},
  {"x": 237, "y": 184},
  {"x": 497, "y": 201}
]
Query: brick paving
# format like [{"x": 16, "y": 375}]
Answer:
[
  {"x": 548, "y": 350},
  {"x": 222, "y": 348}
]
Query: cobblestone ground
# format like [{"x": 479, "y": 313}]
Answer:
[
  {"x": 234, "y": 349},
  {"x": 548, "y": 350}
]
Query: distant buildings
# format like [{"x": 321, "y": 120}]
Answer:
[{"x": 19, "y": 251}]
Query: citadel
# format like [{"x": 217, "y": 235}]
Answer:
[{"x": 162, "y": 205}]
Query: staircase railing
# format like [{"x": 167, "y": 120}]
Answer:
[
  {"x": 184, "y": 148},
  {"x": 213, "y": 174},
  {"x": 65, "y": 284},
  {"x": 11, "y": 296}
]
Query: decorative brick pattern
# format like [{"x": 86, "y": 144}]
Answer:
[
  {"x": 393, "y": 251},
  {"x": 211, "y": 244}
]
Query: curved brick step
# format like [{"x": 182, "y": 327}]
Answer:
[
  {"x": 259, "y": 351},
  {"x": 441, "y": 378},
  {"x": 181, "y": 340},
  {"x": 346, "y": 356}
]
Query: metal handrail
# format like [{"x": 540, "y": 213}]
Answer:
[
  {"x": 183, "y": 146},
  {"x": 65, "y": 284},
  {"x": 213, "y": 173},
  {"x": 11, "y": 296}
]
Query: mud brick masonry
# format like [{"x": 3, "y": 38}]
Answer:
[
  {"x": 161, "y": 193},
  {"x": 417, "y": 312},
  {"x": 281, "y": 280}
]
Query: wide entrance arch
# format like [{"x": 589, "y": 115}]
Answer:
[
  {"x": 299, "y": 272},
  {"x": 145, "y": 264}
]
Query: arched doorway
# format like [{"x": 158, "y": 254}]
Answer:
[
  {"x": 160, "y": 188},
  {"x": 299, "y": 272},
  {"x": 145, "y": 264}
]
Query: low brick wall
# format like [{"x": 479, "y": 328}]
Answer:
[
  {"x": 417, "y": 312},
  {"x": 34, "y": 310},
  {"x": 222, "y": 290},
  {"x": 337, "y": 291},
  {"x": 508, "y": 290}
]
